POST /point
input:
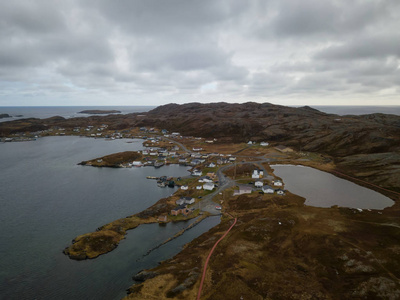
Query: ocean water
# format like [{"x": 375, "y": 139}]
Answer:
[
  {"x": 358, "y": 110},
  {"x": 42, "y": 112},
  {"x": 46, "y": 200}
]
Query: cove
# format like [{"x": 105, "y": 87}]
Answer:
[
  {"x": 46, "y": 200},
  {"x": 322, "y": 189}
]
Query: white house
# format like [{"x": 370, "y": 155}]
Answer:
[
  {"x": 187, "y": 200},
  {"x": 209, "y": 186},
  {"x": 243, "y": 189},
  {"x": 211, "y": 165},
  {"x": 199, "y": 187},
  {"x": 255, "y": 174},
  {"x": 258, "y": 184},
  {"x": 264, "y": 144},
  {"x": 197, "y": 173},
  {"x": 280, "y": 192},
  {"x": 180, "y": 201},
  {"x": 267, "y": 189},
  {"x": 278, "y": 183},
  {"x": 184, "y": 187},
  {"x": 205, "y": 179}
]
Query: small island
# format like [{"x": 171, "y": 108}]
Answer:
[
  {"x": 4, "y": 116},
  {"x": 99, "y": 112}
]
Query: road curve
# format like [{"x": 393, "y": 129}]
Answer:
[{"x": 208, "y": 259}]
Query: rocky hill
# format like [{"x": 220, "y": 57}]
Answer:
[{"x": 302, "y": 128}]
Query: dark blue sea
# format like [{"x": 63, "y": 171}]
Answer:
[
  {"x": 358, "y": 110},
  {"x": 42, "y": 112},
  {"x": 46, "y": 200}
]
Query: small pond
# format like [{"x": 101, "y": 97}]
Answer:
[{"x": 323, "y": 189}]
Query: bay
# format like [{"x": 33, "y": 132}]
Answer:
[{"x": 46, "y": 200}]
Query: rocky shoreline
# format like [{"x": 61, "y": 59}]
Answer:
[{"x": 279, "y": 247}]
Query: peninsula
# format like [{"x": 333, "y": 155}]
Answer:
[
  {"x": 99, "y": 112},
  {"x": 278, "y": 248}
]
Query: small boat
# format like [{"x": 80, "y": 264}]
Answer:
[
  {"x": 158, "y": 165},
  {"x": 161, "y": 184},
  {"x": 151, "y": 177}
]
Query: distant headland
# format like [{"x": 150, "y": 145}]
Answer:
[
  {"x": 99, "y": 112},
  {"x": 4, "y": 116}
]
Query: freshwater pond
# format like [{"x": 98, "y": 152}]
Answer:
[{"x": 322, "y": 189}]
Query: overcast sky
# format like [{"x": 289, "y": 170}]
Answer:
[{"x": 151, "y": 52}]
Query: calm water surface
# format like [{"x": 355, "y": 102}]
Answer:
[
  {"x": 323, "y": 189},
  {"x": 46, "y": 200}
]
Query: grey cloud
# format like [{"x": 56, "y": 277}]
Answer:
[
  {"x": 178, "y": 48},
  {"x": 313, "y": 17},
  {"x": 363, "y": 48}
]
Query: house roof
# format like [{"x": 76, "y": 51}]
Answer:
[
  {"x": 266, "y": 187},
  {"x": 245, "y": 188},
  {"x": 182, "y": 206}
]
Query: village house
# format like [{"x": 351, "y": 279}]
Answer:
[
  {"x": 256, "y": 174},
  {"x": 232, "y": 158},
  {"x": 280, "y": 192},
  {"x": 197, "y": 149},
  {"x": 222, "y": 161},
  {"x": 258, "y": 184},
  {"x": 182, "y": 161},
  {"x": 243, "y": 189},
  {"x": 185, "y": 200},
  {"x": 196, "y": 172},
  {"x": 267, "y": 189},
  {"x": 264, "y": 144},
  {"x": 209, "y": 186},
  {"x": 181, "y": 209},
  {"x": 184, "y": 187},
  {"x": 277, "y": 183},
  {"x": 188, "y": 200},
  {"x": 211, "y": 165},
  {"x": 205, "y": 179},
  {"x": 195, "y": 162},
  {"x": 199, "y": 187}
]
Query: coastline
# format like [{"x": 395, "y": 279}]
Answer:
[{"x": 291, "y": 225}]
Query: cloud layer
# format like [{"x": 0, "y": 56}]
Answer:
[{"x": 132, "y": 52}]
